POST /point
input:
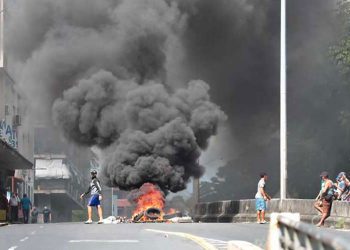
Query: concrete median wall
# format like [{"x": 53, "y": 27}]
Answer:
[{"x": 244, "y": 211}]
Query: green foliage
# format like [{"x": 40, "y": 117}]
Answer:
[
  {"x": 340, "y": 223},
  {"x": 340, "y": 51}
]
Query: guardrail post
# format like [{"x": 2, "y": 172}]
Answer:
[{"x": 273, "y": 240}]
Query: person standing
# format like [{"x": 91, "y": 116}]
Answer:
[
  {"x": 47, "y": 215},
  {"x": 325, "y": 198},
  {"x": 26, "y": 207},
  {"x": 95, "y": 191},
  {"x": 14, "y": 207},
  {"x": 34, "y": 215},
  {"x": 260, "y": 199}
]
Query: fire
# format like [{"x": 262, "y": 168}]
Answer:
[
  {"x": 172, "y": 211},
  {"x": 149, "y": 203}
]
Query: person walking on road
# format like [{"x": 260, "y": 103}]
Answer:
[
  {"x": 325, "y": 198},
  {"x": 95, "y": 191},
  {"x": 260, "y": 199},
  {"x": 47, "y": 215},
  {"x": 34, "y": 214},
  {"x": 14, "y": 203},
  {"x": 26, "y": 207}
]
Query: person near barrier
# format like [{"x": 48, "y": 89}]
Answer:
[
  {"x": 95, "y": 191},
  {"x": 341, "y": 186},
  {"x": 325, "y": 198},
  {"x": 260, "y": 199},
  {"x": 26, "y": 206}
]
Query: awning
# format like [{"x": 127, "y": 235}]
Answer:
[{"x": 11, "y": 159}]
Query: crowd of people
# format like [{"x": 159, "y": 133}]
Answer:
[
  {"x": 330, "y": 191},
  {"x": 21, "y": 209}
]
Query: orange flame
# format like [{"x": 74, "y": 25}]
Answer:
[
  {"x": 151, "y": 197},
  {"x": 172, "y": 211}
]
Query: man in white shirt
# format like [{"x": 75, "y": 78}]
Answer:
[
  {"x": 260, "y": 199},
  {"x": 14, "y": 207}
]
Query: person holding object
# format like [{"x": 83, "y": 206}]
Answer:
[
  {"x": 260, "y": 199},
  {"x": 325, "y": 198},
  {"x": 95, "y": 191}
]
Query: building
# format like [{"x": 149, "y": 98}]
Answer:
[
  {"x": 16, "y": 140},
  {"x": 58, "y": 185}
]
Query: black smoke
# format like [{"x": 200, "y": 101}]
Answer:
[{"x": 104, "y": 71}]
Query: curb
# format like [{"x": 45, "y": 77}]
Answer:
[{"x": 3, "y": 224}]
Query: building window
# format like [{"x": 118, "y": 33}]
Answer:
[{"x": 7, "y": 110}]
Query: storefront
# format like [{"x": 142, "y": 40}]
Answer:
[{"x": 10, "y": 160}]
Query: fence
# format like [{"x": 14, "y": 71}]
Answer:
[{"x": 287, "y": 232}]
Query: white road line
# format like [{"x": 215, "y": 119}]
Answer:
[
  {"x": 24, "y": 239},
  {"x": 199, "y": 240},
  {"x": 104, "y": 241},
  {"x": 13, "y": 248}
]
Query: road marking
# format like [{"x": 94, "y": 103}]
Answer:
[
  {"x": 200, "y": 241},
  {"x": 219, "y": 244},
  {"x": 13, "y": 248},
  {"x": 24, "y": 239},
  {"x": 32, "y": 233},
  {"x": 242, "y": 245},
  {"x": 104, "y": 241}
]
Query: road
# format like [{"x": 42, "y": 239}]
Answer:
[{"x": 128, "y": 236}]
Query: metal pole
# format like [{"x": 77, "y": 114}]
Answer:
[
  {"x": 283, "y": 105},
  {"x": 196, "y": 192},
  {"x": 112, "y": 191}
]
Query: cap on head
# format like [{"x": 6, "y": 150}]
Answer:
[
  {"x": 94, "y": 172},
  {"x": 324, "y": 174},
  {"x": 341, "y": 174},
  {"x": 45, "y": 207}
]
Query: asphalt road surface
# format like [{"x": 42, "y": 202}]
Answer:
[{"x": 129, "y": 236}]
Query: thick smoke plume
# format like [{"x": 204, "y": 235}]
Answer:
[{"x": 103, "y": 67}]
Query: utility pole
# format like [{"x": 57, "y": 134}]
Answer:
[
  {"x": 196, "y": 190},
  {"x": 283, "y": 105}
]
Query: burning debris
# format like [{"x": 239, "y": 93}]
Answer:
[{"x": 150, "y": 203}]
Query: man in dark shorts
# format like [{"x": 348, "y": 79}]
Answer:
[
  {"x": 96, "y": 196},
  {"x": 26, "y": 206},
  {"x": 325, "y": 198}
]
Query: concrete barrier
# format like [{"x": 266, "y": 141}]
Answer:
[{"x": 244, "y": 211}]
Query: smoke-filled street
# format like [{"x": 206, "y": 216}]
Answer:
[
  {"x": 130, "y": 124},
  {"x": 129, "y": 236}
]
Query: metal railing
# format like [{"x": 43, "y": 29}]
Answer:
[{"x": 287, "y": 232}]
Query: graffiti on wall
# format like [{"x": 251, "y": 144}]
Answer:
[{"x": 8, "y": 134}]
